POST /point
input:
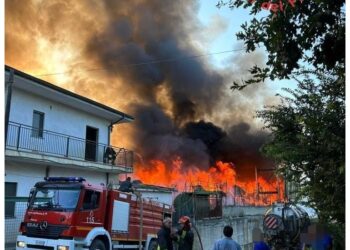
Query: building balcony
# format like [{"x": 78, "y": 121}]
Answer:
[{"x": 28, "y": 144}]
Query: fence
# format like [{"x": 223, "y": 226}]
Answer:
[
  {"x": 235, "y": 195},
  {"x": 198, "y": 205},
  {"x": 210, "y": 230},
  {"x": 13, "y": 218},
  {"x": 25, "y": 138}
]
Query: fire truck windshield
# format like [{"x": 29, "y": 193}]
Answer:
[{"x": 54, "y": 199}]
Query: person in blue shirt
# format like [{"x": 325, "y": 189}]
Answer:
[
  {"x": 258, "y": 240},
  {"x": 227, "y": 243},
  {"x": 323, "y": 242},
  {"x": 318, "y": 237},
  {"x": 261, "y": 245}
]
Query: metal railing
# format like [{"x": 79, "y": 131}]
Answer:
[{"x": 25, "y": 138}]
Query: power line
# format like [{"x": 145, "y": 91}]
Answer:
[{"x": 148, "y": 62}]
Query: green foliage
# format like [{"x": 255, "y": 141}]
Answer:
[
  {"x": 308, "y": 127},
  {"x": 310, "y": 32},
  {"x": 308, "y": 142}
]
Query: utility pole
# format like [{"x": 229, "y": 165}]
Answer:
[
  {"x": 8, "y": 102},
  {"x": 141, "y": 220},
  {"x": 286, "y": 189},
  {"x": 256, "y": 182}
]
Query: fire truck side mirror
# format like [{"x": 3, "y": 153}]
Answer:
[
  {"x": 94, "y": 200},
  {"x": 30, "y": 196}
]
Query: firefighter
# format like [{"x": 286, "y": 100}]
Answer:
[
  {"x": 164, "y": 236},
  {"x": 110, "y": 156},
  {"x": 184, "y": 236},
  {"x": 126, "y": 186}
]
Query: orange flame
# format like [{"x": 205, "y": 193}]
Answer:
[{"x": 221, "y": 177}]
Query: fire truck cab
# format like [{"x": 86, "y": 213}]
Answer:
[{"x": 66, "y": 213}]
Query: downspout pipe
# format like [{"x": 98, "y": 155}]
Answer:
[
  {"x": 8, "y": 102},
  {"x": 110, "y": 127}
]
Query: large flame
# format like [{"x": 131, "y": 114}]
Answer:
[{"x": 221, "y": 177}]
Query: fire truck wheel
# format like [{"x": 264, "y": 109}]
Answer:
[
  {"x": 153, "y": 245},
  {"x": 97, "y": 245}
]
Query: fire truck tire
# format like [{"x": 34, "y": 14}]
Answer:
[
  {"x": 153, "y": 245},
  {"x": 97, "y": 245}
]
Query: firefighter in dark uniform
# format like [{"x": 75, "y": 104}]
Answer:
[
  {"x": 185, "y": 236},
  {"x": 126, "y": 186},
  {"x": 165, "y": 241}
]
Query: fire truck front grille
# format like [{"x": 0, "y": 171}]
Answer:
[
  {"x": 51, "y": 231},
  {"x": 40, "y": 247}
]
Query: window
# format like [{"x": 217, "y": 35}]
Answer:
[
  {"x": 38, "y": 124},
  {"x": 55, "y": 199},
  {"x": 10, "y": 191},
  {"x": 91, "y": 199}
]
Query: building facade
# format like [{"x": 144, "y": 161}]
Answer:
[
  {"x": 50, "y": 131},
  {"x": 155, "y": 193}
]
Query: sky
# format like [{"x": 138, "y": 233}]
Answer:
[{"x": 221, "y": 25}]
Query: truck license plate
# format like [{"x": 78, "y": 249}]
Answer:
[{"x": 40, "y": 242}]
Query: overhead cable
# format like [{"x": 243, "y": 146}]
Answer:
[{"x": 147, "y": 62}]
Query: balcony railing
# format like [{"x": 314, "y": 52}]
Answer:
[{"x": 25, "y": 138}]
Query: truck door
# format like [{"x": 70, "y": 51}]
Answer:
[{"x": 90, "y": 214}]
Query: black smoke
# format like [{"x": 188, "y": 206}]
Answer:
[
  {"x": 147, "y": 34},
  {"x": 135, "y": 46},
  {"x": 144, "y": 50},
  {"x": 238, "y": 145},
  {"x": 160, "y": 139}
]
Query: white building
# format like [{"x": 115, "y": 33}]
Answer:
[
  {"x": 155, "y": 193},
  {"x": 54, "y": 132}
]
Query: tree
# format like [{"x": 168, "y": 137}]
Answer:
[
  {"x": 308, "y": 143},
  {"x": 295, "y": 33},
  {"x": 308, "y": 127}
]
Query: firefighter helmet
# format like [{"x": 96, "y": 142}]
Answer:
[{"x": 184, "y": 220}]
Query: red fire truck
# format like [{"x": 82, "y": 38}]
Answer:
[{"x": 66, "y": 213}]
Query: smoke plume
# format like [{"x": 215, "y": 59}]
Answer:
[{"x": 182, "y": 106}]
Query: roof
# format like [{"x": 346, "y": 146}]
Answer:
[
  {"x": 108, "y": 111},
  {"x": 152, "y": 188}
]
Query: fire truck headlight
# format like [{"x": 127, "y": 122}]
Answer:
[
  {"x": 63, "y": 248},
  {"x": 21, "y": 244}
]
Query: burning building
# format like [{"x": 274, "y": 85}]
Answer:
[
  {"x": 199, "y": 204},
  {"x": 190, "y": 129}
]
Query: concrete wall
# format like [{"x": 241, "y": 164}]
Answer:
[
  {"x": 162, "y": 197},
  {"x": 242, "y": 219},
  {"x": 58, "y": 117},
  {"x": 26, "y": 175},
  {"x": 240, "y": 211}
]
